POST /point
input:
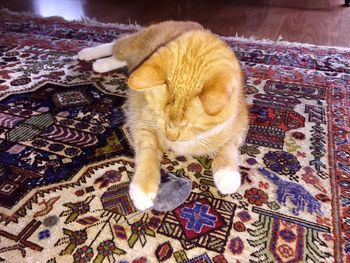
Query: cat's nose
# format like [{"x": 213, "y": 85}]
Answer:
[{"x": 172, "y": 134}]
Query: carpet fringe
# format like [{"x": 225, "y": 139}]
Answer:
[
  {"x": 93, "y": 22},
  {"x": 280, "y": 41}
]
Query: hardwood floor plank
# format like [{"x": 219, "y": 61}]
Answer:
[
  {"x": 321, "y": 28},
  {"x": 271, "y": 26}
]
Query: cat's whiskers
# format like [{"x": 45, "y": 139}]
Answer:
[
  {"x": 205, "y": 143},
  {"x": 212, "y": 147},
  {"x": 145, "y": 125}
]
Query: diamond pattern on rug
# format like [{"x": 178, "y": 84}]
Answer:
[
  {"x": 201, "y": 221},
  {"x": 197, "y": 218},
  {"x": 70, "y": 98}
]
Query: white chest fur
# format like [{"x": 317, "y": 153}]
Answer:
[{"x": 200, "y": 144}]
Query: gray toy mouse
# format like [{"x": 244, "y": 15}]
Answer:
[{"x": 173, "y": 191}]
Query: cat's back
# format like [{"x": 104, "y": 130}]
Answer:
[
  {"x": 136, "y": 48},
  {"x": 201, "y": 45}
]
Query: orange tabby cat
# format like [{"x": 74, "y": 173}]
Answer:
[{"x": 186, "y": 95}]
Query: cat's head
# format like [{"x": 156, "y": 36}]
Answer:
[{"x": 191, "y": 84}]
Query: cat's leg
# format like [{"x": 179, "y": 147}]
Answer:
[
  {"x": 226, "y": 170},
  {"x": 103, "y": 65},
  {"x": 96, "y": 52},
  {"x": 146, "y": 179}
]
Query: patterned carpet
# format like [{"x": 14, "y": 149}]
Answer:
[{"x": 66, "y": 160}]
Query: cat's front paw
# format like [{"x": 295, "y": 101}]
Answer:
[
  {"x": 141, "y": 200},
  {"x": 227, "y": 180},
  {"x": 86, "y": 54}
]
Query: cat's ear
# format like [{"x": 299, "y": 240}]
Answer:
[
  {"x": 150, "y": 74},
  {"x": 216, "y": 92}
]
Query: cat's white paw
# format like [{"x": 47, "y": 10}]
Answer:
[
  {"x": 107, "y": 64},
  {"x": 86, "y": 54},
  {"x": 227, "y": 180},
  {"x": 101, "y": 66},
  {"x": 141, "y": 200}
]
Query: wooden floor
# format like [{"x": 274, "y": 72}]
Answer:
[{"x": 322, "y": 22}]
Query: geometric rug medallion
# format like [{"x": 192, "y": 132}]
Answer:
[{"x": 201, "y": 221}]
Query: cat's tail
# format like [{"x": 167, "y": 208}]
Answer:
[{"x": 268, "y": 174}]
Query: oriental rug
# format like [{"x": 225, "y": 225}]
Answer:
[{"x": 66, "y": 159}]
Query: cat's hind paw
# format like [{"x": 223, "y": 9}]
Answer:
[
  {"x": 86, "y": 54},
  {"x": 227, "y": 180},
  {"x": 107, "y": 64},
  {"x": 141, "y": 200}
]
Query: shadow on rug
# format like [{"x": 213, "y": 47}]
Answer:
[{"x": 66, "y": 160}]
